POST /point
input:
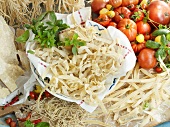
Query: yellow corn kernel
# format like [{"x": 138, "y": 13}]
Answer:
[{"x": 103, "y": 11}]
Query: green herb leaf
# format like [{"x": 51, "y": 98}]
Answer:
[
  {"x": 168, "y": 37},
  {"x": 28, "y": 123},
  {"x": 30, "y": 51},
  {"x": 74, "y": 50},
  {"x": 52, "y": 17},
  {"x": 152, "y": 44},
  {"x": 24, "y": 37},
  {"x": 41, "y": 17},
  {"x": 42, "y": 124},
  {"x": 160, "y": 52},
  {"x": 163, "y": 40}
]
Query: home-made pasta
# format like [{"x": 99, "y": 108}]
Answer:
[{"x": 82, "y": 76}]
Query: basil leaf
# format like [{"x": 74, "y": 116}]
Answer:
[
  {"x": 74, "y": 50},
  {"x": 28, "y": 123},
  {"x": 160, "y": 52},
  {"x": 43, "y": 124},
  {"x": 24, "y": 37},
  {"x": 41, "y": 17},
  {"x": 53, "y": 17},
  {"x": 168, "y": 36},
  {"x": 163, "y": 40},
  {"x": 152, "y": 44}
]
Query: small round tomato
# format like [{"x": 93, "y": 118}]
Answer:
[
  {"x": 140, "y": 38},
  {"x": 112, "y": 24},
  {"x": 128, "y": 2},
  {"x": 138, "y": 47},
  {"x": 158, "y": 69},
  {"x": 143, "y": 27},
  {"x": 13, "y": 124},
  {"x": 111, "y": 14},
  {"x": 47, "y": 94},
  {"x": 115, "y": 3},
  {"x": 32, "y": 95},
  {"x": 121, "y": 13},
  {"x": 146, "y": 58},
  {"x": 103, "y": 20},
  {"x": 137, "y": 15},
  {"x": 129, "y": 28},
  {"x": 8, "y": 120},
  {"x": 97, "y": 5},
  {"x": 131, "y": 7},
  {"x": 147, "y": 36}
]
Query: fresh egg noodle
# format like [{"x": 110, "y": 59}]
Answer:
[
  {"x": 130, "y": 103},
  {"x": 82, "y": 76}
]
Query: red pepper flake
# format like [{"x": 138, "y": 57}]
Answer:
[{"x": 36, "y": 121}]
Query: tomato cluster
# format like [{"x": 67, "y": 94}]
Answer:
[
  {"x": 10, "y": 122},
  {"x": 137, "y": 19},
  {"x": 36, "y": 92}
]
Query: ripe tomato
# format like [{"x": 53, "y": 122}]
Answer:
[
  {"x": 112, "y": 24},
  {"x": 121, "y": 13},
  {"x": 146, "y": 58},
  {"x": 158, "y": 69},
  {"x": 147, "y": 36},
  {"x": 128, "y": 2},
  {"x": 103, "y": 20},
  {"x": 143, "y": 27},
  {"x": 32, "y": 95},
  {"x": 13, "y": 124},
  {"x": 129, "y": 28},
  {"x": 138, "y": 47},
  {"x": 131, "y": 7},
  {"x": 97, "y": 5},
  {"x": 159, "y": 12},
  {"x": 8, "y": 120},
  {"x": 115, "y": 3},
  {"x": 137, "y": 15},
  {"x": 47, "y": 94}
]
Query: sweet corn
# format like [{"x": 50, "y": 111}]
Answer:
[
  {"x": 109, "y": 7},
  {"x": 111, "y": 14},
  {"x": 103, "y": 11}
]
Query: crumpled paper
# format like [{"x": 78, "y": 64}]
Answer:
[{"x": 82, "y": 16}]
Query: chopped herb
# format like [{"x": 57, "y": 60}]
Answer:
[
  {"x": 28, "y": 123},
  {"x": 24, "y": 37}
]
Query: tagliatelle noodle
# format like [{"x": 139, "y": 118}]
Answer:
[
  {"x": 126, "y": 105},
  {"x": 82, "y": 76}
]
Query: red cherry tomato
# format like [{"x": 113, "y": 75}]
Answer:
[
  {"x": 131, "y": 7},
  {"x": 103, "y": 20},
  {"x": 112, "y": 24},
  {"x": 32, "y": 95},
  {"x": 143, "y": 27},
  {"x": 115, "y": 3},
  {"x": 147, "y": 36},
  {"x": 146, "y": 58},
  {"x": 138, "y": 47},
  {"x": 121, "y": 13},
  {"x": 13, "y": 124},
  {"x": 137, "y": 15},
  {"x": 47, "y": 94},
  {"x": 8, "y": 120},
  {"x": 158, "y": 69},
  {"x": 97, "y": 5}
]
